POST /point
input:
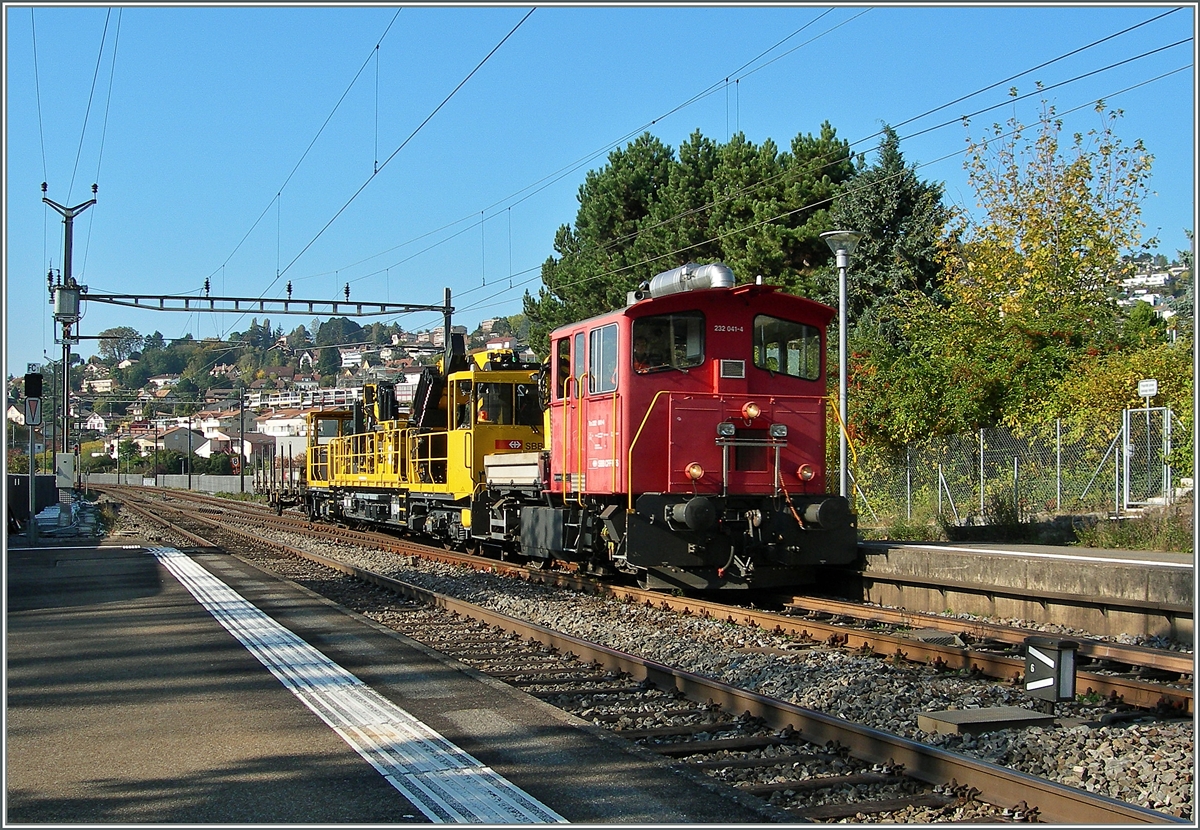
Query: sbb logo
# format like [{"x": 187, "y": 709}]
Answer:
[{"x": 512, "y": 444}]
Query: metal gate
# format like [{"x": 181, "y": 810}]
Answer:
[{"x": 1147, "y": 446}]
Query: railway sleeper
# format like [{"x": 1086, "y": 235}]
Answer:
[
  {"x": 822, "y": 783},
  {"x": 625, "y": 714},
  {"x": 584, "y": 691},
  {"x": 679, "y": 730},
  {"x": 831, "y": 812},
  {"x": 764, "y": 761},
  {"x": 566, "y": 674},
  {"x": 684, "y": 748}
]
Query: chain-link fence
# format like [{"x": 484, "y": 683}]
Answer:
[{"x": 999, "y": 476}]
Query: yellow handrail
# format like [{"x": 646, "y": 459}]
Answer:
[
  {"x": 579, "y": 436},
  {"x": 637, "y": 435},
  {"x": 837, "y": 416},
  {"x": 612, "y": 440},
  {"x": 565, "y": 401}
]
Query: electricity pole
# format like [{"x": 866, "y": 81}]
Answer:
[{"x": 65, "y": 297}]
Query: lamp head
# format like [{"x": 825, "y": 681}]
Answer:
[{"x": 839, "y": 241}]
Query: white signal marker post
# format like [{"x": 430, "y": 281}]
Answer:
[
  {"x": 1050, "y": 668},
  {"x": 33, "y": 418}
]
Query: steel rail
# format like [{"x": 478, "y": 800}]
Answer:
[
  {"x": 1178, "y": 662},
  {"x": 1056, "y": 803},
  {"x": 1131, "y": 690}
]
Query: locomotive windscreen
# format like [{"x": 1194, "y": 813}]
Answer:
[
  {"x": 787, "y": 347},
  {"x": 668, "y": 341},
  {"x": 508, "y": 403}
]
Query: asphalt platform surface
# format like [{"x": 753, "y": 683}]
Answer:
[{"x": 127, "y": 702}]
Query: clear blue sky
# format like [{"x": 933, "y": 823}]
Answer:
[{"x": 193, "y": 129}]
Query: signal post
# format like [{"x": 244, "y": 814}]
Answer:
[{"x": 33, "y": 418}]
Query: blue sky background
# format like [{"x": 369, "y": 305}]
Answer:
[{"x": 194, "y": 128}]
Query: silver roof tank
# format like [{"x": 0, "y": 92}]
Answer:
[{"x": 692, "y": 277}]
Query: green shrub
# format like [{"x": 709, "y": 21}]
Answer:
[{"x": 1165, "y": 528}]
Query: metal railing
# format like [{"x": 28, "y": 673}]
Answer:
[{"x": 997, "y": 476}]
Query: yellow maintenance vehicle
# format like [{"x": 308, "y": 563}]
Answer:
[{"x": 420, "y": 471}]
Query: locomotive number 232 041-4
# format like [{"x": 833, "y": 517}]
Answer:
[{"x": 728, "y": 328}]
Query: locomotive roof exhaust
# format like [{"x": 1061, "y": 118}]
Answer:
[{"x": 690, "y": 277}]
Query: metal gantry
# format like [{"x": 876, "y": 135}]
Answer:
[{"x": 67, "y": 294}]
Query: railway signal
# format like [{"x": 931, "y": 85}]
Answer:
[
  {"x": 33, "y": 399},
  {"x": 1050, "y": 668}
]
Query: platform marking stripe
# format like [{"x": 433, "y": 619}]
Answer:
[
  {"x": 445, "y": 783},
  {"x": 272, "y": 643},
  {"x": 1032, "y": 554}
]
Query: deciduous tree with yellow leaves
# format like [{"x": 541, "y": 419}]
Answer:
[{"x": 1027, "y": 288}]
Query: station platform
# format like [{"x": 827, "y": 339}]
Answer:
[
  {"x": 137, "y": 693},
  {"x": 1151, "y": 593}
]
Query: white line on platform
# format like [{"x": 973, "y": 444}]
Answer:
[
  {"x": 444, "y": 782},
  {"x": 1030, "y": 554}
]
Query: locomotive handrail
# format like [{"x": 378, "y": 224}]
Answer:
[
  {"x": 612, "y": 441},
  {"x": 468, "y": 453},
  {"x": 837, "y": 416},
  {"x": 636, "y": 436},
  {"x": 579, "y": 433},
  {"x": 566, "y": 399}
]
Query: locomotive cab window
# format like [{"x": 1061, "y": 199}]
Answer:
[
  {"x": 563, "y": 368},
  {"x": 462, "y": 405},
  {"x": 507, "y": 404},
  {"x": 327, "y": 429},
  {"x": 529, "y": 411},
  {"x": 787, "y": 347},
  {"x": 602, "y": 367},
  {"x": 579, "y": 366},
  {"x": 668, "y": 341}
]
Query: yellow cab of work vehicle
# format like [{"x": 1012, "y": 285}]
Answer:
[{"x": 418, "y": 470}]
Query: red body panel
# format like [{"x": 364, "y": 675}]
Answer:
[{"x": 643, "y": 434}]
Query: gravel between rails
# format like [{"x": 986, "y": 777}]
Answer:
[{"x": 1142, "y": 761}]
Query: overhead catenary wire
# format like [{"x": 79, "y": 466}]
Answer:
[
  {"x": 103, "y": 132},
  {"x": 37, "y": 90},
  {"x": 403, "y": 144},
  {"x": 87, "y": 112},
  {"x": 546, "y": 181},
  {"x": 394, "y": 153},
  {"x": 321, "y": 129},
  {"x": 907, "y": 121},
  {"x": 819, "y": 166},
  {"x": 742, "y": 229}
]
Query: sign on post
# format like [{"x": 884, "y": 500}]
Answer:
[
  {"x": 1050, "y": 668},
  {"x": 1147, "y": 388},
  {"x": 33, "y": 412}
]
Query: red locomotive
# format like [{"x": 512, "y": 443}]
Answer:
[{"x": 685, "y": 443}]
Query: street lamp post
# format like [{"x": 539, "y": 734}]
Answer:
[{"x": 842, "y": 244}]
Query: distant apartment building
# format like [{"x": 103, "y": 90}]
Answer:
[{"x": 99, "y": 385}]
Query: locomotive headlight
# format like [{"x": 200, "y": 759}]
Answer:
[
  {"x": 726, "y": 430},
  {"x": 778, "y": 430},
  {"x": 694, "y": 471},
  {"x": 751, "y": 410},
  {"x": 806, "y": 472}
]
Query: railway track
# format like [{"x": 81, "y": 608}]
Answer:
[
  {"x": 767, "y": 748},
  {"x": 1137, "y": 676}
]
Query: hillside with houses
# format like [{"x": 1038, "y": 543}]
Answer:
[{"x": 172, "y": 405}]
